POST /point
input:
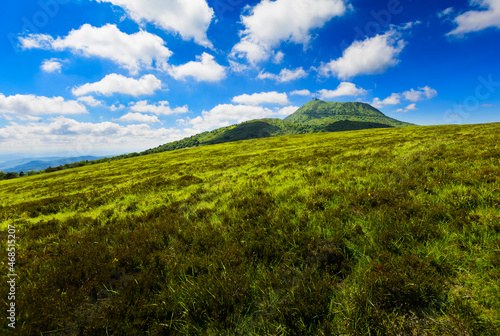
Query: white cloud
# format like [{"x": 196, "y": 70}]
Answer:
[
  {"x": 411, "y": 95},
  {"x": 345, "y": 89},
  {"x": 278, "y": 57},
  {"x": 287, "y": 110},
  {"x": 37, "y": 41},
  {"x": 477, "y": 20},
  {"x": 409, "y": 25},
  {"x": 206, "y": 69},
  {"x": 22, "y": 118},
  {"x": 160, "y": 108},
  {"x": 411, "y": 107},
  {"x": 80, "y": 138},
  {"x": 285, "y": 75},
  {"x": 446, "y": 12},
  {"x": 422, "y": 93},
  {"x": 262, "y": 98},
  {"x": 116, "y": 107},
  {"x": 228, "y": 114},
  {"x": 114, "y": 83},
  {"x": 371, "y": 56},
  {"x": 52, "y": 65},
  {"x": 133, "y": 52},
  {"x": 300, "y": 93},
  {"x": 39, "y": 105},
  {"x": 238, "y": 67},
  {"x": 140, "y": 118},
  {"x": 90, "y": 101},
  {"x": 189, "y": 18},
  {"x": 271, "y": 22},
  {"x": 393, "y": 99}
]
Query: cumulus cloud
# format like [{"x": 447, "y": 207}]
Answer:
[
  {"x": 205, "y": 69},
  {"x": 262, "y": 98},
  {"x": 278, "y": 57},
  {"x": 393, "y": 99},
  {"x": 271, "y": 22},
  {"x": 90, "y": 101},
  {"x": 476, "y": 20},
  {"x": 372, "y": 56},
  {"x": 116, "y": 107},
  {"x": 39, "y": 105},
  {"x": 190, "y": 19},
  {"x": 411, "y": 95},
  {"x": 300, "y": 93},
  {"x": 345, "y": 89},
  {"x": 287, "y": 110},
  {"x": 139, "y": 118},
  {"x": 52, "y": 65},
  {"x": 114, "y": 83},
  {"x": 237, "y": 67},
  {"x": 228, "y": 114},
  {"x": 420, "y": 94},
  {"x": 411, "y": 107},
  {"x": 159, "y": 108},
  {"x": 285, "y": 75},
  {"x": 64, "y": 134},
  {"x": 132, "y": 52}
]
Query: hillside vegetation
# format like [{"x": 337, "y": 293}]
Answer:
[
  {"x": 262, "y": 128},
  {"x": 390, "y": 231},
  {"x": 316, "y": 116}
]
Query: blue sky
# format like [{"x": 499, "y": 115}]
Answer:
[{"x": 80, "y": 77}]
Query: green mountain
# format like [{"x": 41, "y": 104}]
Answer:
[
  {"x": 317, "y": 116},
  {"x": 318, "y": 112}
]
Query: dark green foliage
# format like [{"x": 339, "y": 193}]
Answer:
[
  {"x": 406, "y": 283},
  {"x": 8, "y": 176},
  {"x": 347, "y": 125}
]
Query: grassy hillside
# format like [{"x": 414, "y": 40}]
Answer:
[
  {"x": 375, "y": 232},
  {"x": 317, "y": 116},
  {"x": 314, "y": 117},
  {"x": 262, "y": 128}
]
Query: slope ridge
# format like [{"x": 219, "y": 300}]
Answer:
[{"x": 316, "y": 116}]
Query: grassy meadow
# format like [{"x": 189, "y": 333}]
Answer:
[{"x": 373, "y": 232}]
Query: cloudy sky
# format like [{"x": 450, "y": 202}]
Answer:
[{"x": 80, "y": 77}]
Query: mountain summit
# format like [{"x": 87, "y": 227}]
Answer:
[{"x": 318, "y": 112}]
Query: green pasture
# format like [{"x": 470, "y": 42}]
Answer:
[{"x": 392, "y": 231}]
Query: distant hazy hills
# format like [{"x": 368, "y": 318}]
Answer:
[
  {"x": 27, "y": 164},
  {"x": 314, "y": 117}
]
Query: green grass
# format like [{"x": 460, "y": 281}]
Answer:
[{"x": 375, "y": 232}]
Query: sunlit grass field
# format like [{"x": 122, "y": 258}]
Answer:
[{"x": 375, "y": 232}]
